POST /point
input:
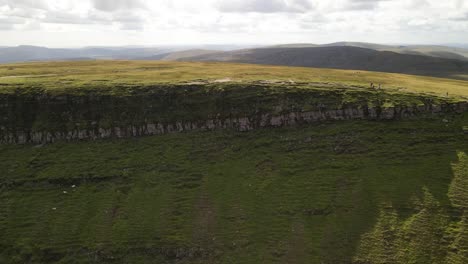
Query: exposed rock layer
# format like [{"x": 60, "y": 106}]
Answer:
[{"x": 44, "y": 119}]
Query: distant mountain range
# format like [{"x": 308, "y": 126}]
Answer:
[
  {"x": 33, "y": 53},
  {"x": 440, "y": 61}
]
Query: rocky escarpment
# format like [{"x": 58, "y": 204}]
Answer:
[{"x": 45, "y": 118}]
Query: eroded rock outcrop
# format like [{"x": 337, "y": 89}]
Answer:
[{"x": 44, "y": 118}]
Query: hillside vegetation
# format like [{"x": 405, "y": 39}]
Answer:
[
  {"x": 346, "y": 192},
  {"x": 334, "y": 191}
]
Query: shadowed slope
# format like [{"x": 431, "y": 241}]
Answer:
[{"x": 344, "y": 57}]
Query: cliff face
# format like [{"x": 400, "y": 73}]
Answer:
[{"x": 45, "y": 118}]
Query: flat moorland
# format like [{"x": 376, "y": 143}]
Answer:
[{"x": 79, "y": 75}]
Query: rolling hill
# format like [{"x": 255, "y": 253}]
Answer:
[
  {"x": 447, "y": 52},
  {"x": 344, "y": 57},
  {"x": 208, "y": 162},
  {"x": 173, "y": 56},
  {"x": 438, "y": 61}
]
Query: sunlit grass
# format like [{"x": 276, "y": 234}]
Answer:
[{"x": 95, "y": 74}]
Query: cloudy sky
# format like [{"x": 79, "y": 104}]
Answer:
[{"x": 73, "y": 23}]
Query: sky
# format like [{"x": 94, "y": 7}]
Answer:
[{"x": 78, "y": 23}]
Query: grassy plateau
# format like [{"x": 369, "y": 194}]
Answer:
[
  {"x": 337, "y": 192},
  {"x": 107, "y": 75}
]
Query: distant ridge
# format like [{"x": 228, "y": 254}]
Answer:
[
  {"x": 26, "y": 53},
  {"x": 430, "y": 60},
  {"x": 344, "y": 57},
  {"x": 447, "y": 52},
  {"x": 182, "y": 54}
]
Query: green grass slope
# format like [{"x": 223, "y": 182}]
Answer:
[{"x": 345, "y": 192}]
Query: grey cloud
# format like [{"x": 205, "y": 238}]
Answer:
[
  {"x": 5, "y": 26},
  {"x": 115, "y": 5},
  {"x": 26, "y": 13},
  {"x": 126, "y": 20},
  {"x": 129, "y": 20},
  {"x": 461, "y": 18},
  {"x": 65, "y": 18},
  {"x": 7, "y": 23},
  {"x": 128, "y": 17},
  {"x": 20, "y": 12},
  {"x": 264, "y": 6},
  {"x": 35, "y": 4},
  {"x": 122, "y": 14},
  {"x": 118, "y": 12},
  {"x": 362, "y": 4},
  {"x": 100, "y": 17},
  {"x": 419, "y": 3}
]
